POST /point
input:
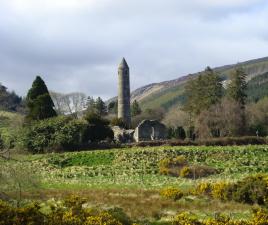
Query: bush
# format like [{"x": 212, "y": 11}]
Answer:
[
  {"x": 120, "y": 215},
  {"x": 220, "y": 190},
  {"x": 172, "y": 166},
  {"x": 180, "y": 167},
  {"x": 186, "y": 172},
  {"x": 59, "y": 133},
  {"x": 186, "y": 218},
  {"x": 63, "y": 133},
  {"x": 70, "y": 213},
  {"x": 250, "y": 190},
  {"x": 246, "y": 140},
  {"x": 29, "y": 214},
  {"x": 171, "y": 193},
  {"x": 203, "y": 188},
  {"x": 260, "y": 217},
  {"x": 226, "y": 141},
  {"x": 98, "y": 128}
]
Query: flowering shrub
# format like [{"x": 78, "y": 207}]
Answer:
[
  {"x": 260, "y": 217},
  {"x": 102, "y": 218},
  {"x": 186, "y": 172},
  {"x": 220, "y": 190},
  {"x": 186, "y": 218},
  {"x": 252, "y": 190},
  {"x": 71, "y": 213},
  {"x": 171, "y": 193},
  {"x": 203, "y": 188},
  {"x": 77, "y": 215}
]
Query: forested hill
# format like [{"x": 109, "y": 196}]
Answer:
[{"x": 169, "y": 93}]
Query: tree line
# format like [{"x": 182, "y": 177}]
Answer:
[{"x": 218, "y": 108}]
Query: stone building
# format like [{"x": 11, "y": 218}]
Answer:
[
  {"x": 124, "y": 93},
  {"x": 122, "y": 135},
  {"x": 150, "y": 130}
]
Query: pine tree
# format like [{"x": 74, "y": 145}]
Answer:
[
  {"x": 135, "y": 108},
  {"x": 237, "y": 92},
  {"x": 238, "y": 86},
  {"x": 203, "y": 92},
  {"x": 100, "y": 106},
  {"x": 90, "y": 104},
  {"x": 113, "y": 107},
  {"x": 39, "y": 103}
]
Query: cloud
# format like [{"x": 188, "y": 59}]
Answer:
[{"x": 77, "y": 45}]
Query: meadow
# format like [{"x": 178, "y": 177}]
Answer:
[{"x": 129, "y": 178}]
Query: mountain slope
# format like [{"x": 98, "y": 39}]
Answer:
[
  {"x": 169, "y": 93},
  {"x": 258, "y": 87}
]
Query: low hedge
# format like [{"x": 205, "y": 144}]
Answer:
[
  {"x": 225, "y": 141},
  {"x": 246, "y": 140}
]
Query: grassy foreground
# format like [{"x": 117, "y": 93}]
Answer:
[
  {"x": 130, "y": 179},
  {"x": 138, "y": 167}
]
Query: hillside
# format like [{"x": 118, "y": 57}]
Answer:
[
  {"x": 258, "y": 87},
  {"x": 169, "y": 93}
]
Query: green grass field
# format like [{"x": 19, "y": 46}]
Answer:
[{"x": 129, "y": 178}]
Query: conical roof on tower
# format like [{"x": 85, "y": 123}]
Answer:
[{"x": 123, "y": 64}]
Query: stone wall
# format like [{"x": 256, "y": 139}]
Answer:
[{"x": 122, "y": 135}]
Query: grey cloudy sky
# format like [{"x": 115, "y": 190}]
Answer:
[{"x": 76, "y": 45}]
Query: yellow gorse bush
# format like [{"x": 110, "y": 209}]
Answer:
[
  {"x": 185, "y": 172},
  {"x": 186, "y": 218},
  {"x": 104, "y": 218},
  {"x": 218, "y": 190},
  {"x": 73, "y": 214},
  {"x": 252, "y": 190},
  {"x": 203, "y": 188},
  {"x": 260, "y": 217},
  {"x": 171, "y": 193}
]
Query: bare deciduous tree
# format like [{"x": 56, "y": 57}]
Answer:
[
  {"x": 221, "y": 120},
  {"x": 175, "y": 117},
  {"x": 72, "y": 103}
]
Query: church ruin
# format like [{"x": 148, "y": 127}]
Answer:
[
  {"x": 150, "y": 130},
  {"x": 147, "y": 130}
]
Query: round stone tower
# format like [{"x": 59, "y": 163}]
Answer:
[{"x": 124, "y": 93}]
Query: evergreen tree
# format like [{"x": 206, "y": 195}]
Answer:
[
  {"x": 90, "y": 104},
  {"x": 202, "y": 92},
  {"x": 98, "y": 128},
  {"x": 100, "y": 107},
  {"x": 237, "y": 92},
  {"x": 113, "y": 107},
  {"x": 39, "y": 103},
  {"x": 238, "y": 86},
  {"x": 135, "y": 108}
]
